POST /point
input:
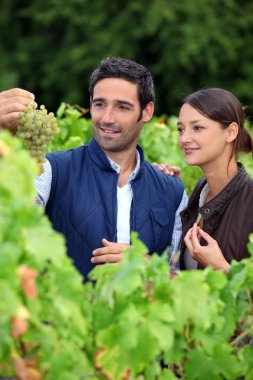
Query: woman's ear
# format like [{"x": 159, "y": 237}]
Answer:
[
  {"x": 232, "y": 132},
  {"x": 148, "y": 111}
]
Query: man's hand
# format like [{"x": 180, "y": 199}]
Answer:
[
  {"x": 109, "y": 253},
  {"x": 168, "y": 169},
  {"x": 12, "y": 102},
  {"x": 209, "y": 255}
]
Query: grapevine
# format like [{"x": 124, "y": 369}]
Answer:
[
  {"x": 37, "y": 128},
  {"x": 132, "y": 321}
]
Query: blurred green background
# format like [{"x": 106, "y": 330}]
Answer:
[{"x": 50, "y": 47}]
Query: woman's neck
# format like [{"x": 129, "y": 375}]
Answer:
[{"x": 217, "y": 179}]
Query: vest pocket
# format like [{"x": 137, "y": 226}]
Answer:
[{"x": 162, "y": 228}]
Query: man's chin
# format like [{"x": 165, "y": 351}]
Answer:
[{"x": 109, "y": 146}]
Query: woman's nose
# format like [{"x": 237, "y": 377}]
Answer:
[{"x": 184, "y": 138}]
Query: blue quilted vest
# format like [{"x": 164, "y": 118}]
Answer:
[{"x": 83, "y": 202}]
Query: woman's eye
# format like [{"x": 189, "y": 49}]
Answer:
[
  {"x": 198, "y": 128},
  {"x": 180, "y": 130}
]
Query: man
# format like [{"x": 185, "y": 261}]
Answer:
[{"x": 97, "y": 194}]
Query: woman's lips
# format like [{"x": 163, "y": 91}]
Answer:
[{"x": 190, "y": 150}]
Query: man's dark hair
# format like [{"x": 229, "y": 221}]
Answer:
[{"x": 126, "y": 69}]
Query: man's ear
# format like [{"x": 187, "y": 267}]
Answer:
[
  {"x": 232, "y": 132},
  {"x": 148, "y": 111}
]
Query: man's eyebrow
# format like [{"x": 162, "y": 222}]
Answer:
[
  {"x": 118, "y": 101},
  {"x": 125, "y": 102},
  {"x": 98, "y": 100}
]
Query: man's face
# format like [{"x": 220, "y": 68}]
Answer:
[{"x": 115, "y": 110}]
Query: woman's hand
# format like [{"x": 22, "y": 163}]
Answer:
[
  {"x": 168, "y": 169},
  {"x": 209, "y": 255}
]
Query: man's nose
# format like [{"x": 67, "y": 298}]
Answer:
[{"x": 108, "y": 116}]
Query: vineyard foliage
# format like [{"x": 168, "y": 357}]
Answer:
[
  {"x": 133, "y": 320},
  {"x": 41, "y": 292}
]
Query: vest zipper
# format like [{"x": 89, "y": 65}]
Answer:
[
  {"x": 114, "y": 239},
  {"x": 132, "y": 212}
]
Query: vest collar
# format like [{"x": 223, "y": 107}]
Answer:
[{"x": 100, "y": 159}]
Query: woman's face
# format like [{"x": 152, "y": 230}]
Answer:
[{"x": 202, "y": 140}]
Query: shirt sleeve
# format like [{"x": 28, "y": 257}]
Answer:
[
  {"x": 43, "y": 184},
  {"x": 177, "y": 234}
]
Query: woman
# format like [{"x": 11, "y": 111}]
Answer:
[{"x": 219, "y": 216}]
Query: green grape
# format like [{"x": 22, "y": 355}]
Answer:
[{"x": 37, "y": 128}]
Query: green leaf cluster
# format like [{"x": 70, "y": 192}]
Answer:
[
  {"x": 195, "y": 326},
  {"x": 75, "y": 128},
  {"x": 56, "y": 335},
  {"x": 133, "y": 320}
]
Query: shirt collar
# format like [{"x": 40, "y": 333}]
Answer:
[
  {"x": 116, "y": 167},
  {"x": 203, "y": 195}
]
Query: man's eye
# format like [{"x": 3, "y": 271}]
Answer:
[
  {"x": 124, "y": 108},
  {"x": 98, "y": 105}
]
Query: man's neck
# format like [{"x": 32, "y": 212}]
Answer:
[{"x": 127, "y": 162}]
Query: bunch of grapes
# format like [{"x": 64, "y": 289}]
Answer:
[{"x": 37, "y": 128}]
